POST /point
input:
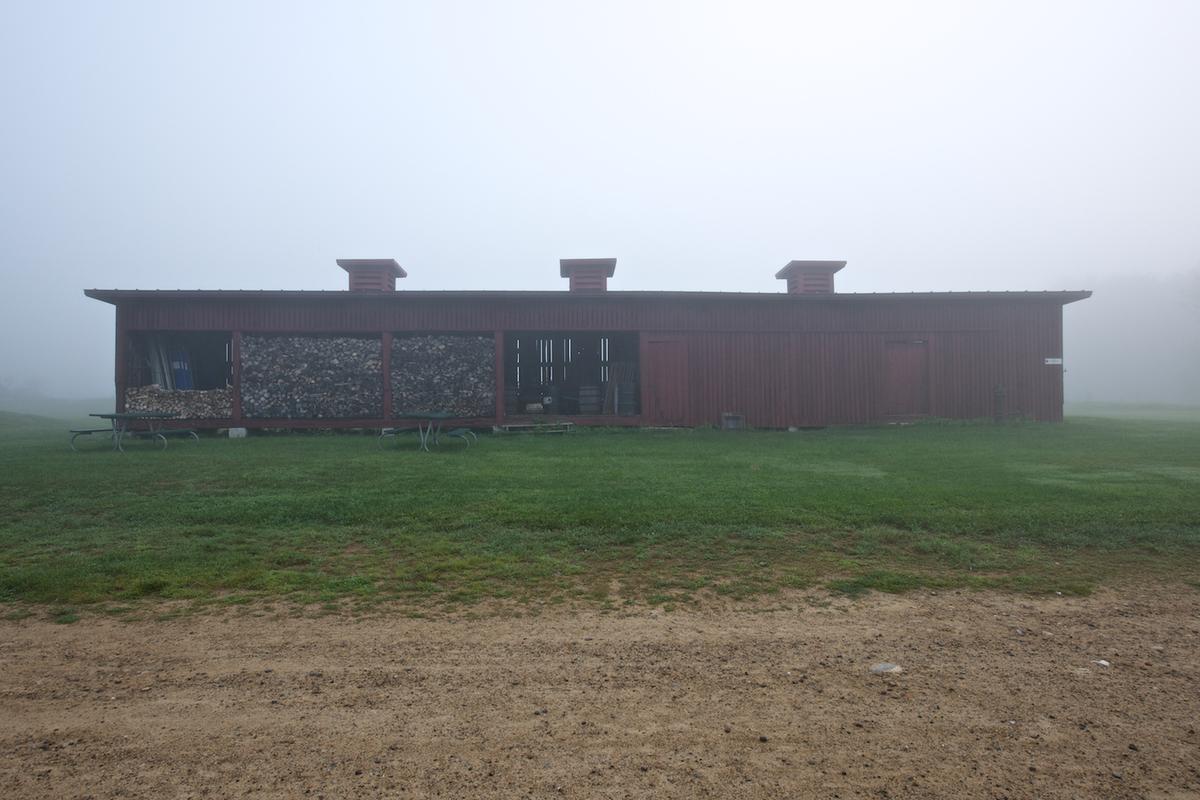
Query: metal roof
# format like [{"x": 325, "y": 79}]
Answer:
[{"x": 116, "y": 295}]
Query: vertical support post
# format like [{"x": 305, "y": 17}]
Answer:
[
  {"x": 1058, "y": 389},
  {"x": 932, "y": 376},
  {"x": 120, "y": 377},
  {"x": 500, "y": 376},
  {"x": 643, "y": 394},
  {"x": 387, "y": 375},
  {"x": 235, "y": 354}
]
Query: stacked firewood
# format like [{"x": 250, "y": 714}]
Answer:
[
  {"x": 312, "y": 377},
  {"x": 183, "y": 403},
  {"x": 452, "y": 374}
]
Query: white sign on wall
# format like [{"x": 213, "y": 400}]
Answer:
[{"x": 1054, "y": 362}]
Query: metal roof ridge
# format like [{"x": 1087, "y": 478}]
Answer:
[{"x": 93, "y": 292}]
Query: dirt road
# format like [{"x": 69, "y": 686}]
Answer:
[{"x": 1000, "y": 696}]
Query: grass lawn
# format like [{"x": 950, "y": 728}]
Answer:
[{"x": 602, "y": 516}]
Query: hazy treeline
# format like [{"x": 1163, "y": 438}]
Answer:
[{"x": 1137, "y": 340}]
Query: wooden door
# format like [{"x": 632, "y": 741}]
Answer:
[
  {"x": 906, "y": 378},
  {"x": 665, "y": 381}
]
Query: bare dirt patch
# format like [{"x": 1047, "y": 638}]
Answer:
[{"x": 1000, "y": 696}]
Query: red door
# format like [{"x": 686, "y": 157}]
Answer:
[
  {"x": 664, "y": 381},
  {"x": 906, "y": 378}
]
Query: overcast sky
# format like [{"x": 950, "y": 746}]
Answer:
[{"x": 956, "y": 145}]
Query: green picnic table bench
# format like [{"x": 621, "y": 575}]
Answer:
[
  {"x": 429, "y": 429},
  {"x": 466, "y": 434},
  {"x": 162, "y": 434},
  {"x": 77, "y": 432},
  {"x": 121, "y": 428}
]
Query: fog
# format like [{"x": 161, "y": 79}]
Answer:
[
  {"x": 1137, "y": 340},
  {"x": 935, "y": 146}
]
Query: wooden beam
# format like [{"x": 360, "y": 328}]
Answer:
[
  {"x": 120, "y": 371},
  {"x": 500, "y": 376},
  {"x": 235, "y": 353},
  {"x": 387, "y": 375}
]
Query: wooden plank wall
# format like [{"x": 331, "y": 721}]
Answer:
[{"x": 780, "y": 363}]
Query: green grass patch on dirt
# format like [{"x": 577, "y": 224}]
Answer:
[{"x": 597, "y": 516}]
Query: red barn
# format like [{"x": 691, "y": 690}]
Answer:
[{"x": 805, "y": 357}]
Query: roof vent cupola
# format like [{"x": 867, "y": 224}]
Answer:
[
  {"x": 372, "y": 274},
  {"x": 810, "y": 277},
  {"x": 587, "y": 274}
]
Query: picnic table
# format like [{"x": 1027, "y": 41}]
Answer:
[
  {"x": 429, "y": 428},
  {"x": 129, "y": 423}
]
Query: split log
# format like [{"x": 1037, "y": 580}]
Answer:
[
  {"x": 312, "y": 377},
  {"x": 183, "y": 403},
  {"x": 451, "y": 373}
]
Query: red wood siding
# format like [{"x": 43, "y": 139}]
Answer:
[
  {"x": 393, "y": 312},
  {"x": 780, "y": 360},
  {"x": 830, "y": 378},
  {"x": 905, "y": 390},
  {"x": 665, "y": 397},
  {"x": 592, "y": 280}
]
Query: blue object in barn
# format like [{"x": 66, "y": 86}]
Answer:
[{"x": 182, "y": 369}]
